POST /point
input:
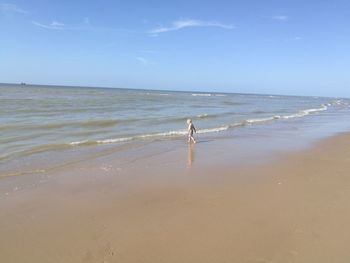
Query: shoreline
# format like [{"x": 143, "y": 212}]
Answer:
[
  {"x": 289, "y": 208},
  {"x": 55, "y": 126},
  {"x": 267, "y": 137}
]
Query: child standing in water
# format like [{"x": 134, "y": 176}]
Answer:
[{"x": 190, "y": 130}]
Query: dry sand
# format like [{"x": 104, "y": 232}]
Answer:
[{"x": 295, "y": 208}]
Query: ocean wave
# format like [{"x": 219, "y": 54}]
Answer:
[
  {"x": 208, "y": 94},
  {"x": 338, "y": 102},
  {"x": 251, "y": 121},
  {"x": 299, "y": 114},
  {"x": 7, "y": 127},
  {"x": 234, "y": 103},
  {"x": 211, "y": 130},
  {"x": 106, "y": 141},
  {"x": 258, "y": 112},
  {"x": 166, "y": 134},
  {"x": 178, "y": 133},
  {"x": 306, "y": 112},
  {"x": 159, "y": 135},
  {"x": 212, "y": 116},
  {"x": 36, "y": 150},
  {"x": 131, "y": 138},
  {"x": 59, "y": 125},
  {"x": 341, "y": 102},
  {"x": 84, "y": 142},
  {"x": 201, "y": 94},
  {"x": 19, "y": 173},
  {"x": 3, "y": 157},
  {"x": 322, "y": 108},
  {"x": 163, "y": 134},
  {"x": 99, "y": 123}
]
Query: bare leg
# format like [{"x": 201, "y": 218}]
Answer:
[{"x": 194, "y": 141}]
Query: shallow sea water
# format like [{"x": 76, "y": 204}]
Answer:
[{"x": 47, "y": 126}]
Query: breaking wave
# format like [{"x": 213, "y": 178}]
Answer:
[{"x": 178, "y": 133}]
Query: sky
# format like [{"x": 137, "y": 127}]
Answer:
[{"x": 287, "y": 47}]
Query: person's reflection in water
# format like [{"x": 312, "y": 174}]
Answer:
[{"x": 190, "y": 154}]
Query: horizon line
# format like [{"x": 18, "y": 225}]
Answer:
[{"x": 23, "y": 84}]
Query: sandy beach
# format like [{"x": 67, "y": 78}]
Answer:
[
  {"x": 293, "y": 208},
  {"x": 99, "y": 101}
]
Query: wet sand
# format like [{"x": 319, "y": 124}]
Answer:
[{"x": 291, "y": 208}]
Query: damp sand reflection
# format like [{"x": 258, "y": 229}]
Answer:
[{"x": 191, "y": 154}]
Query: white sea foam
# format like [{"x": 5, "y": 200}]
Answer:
[
  {"x": 125, "y": 139},
  {"x": 201, "y": 94},
  {"x": 299, "y": 114},
  {"x": 177, "y": 133},
  {"x": 78, "y": 142},
  {"x": 323, "y": 108},
  {"x": 340, "y": 102},
  {"x": 211, "y": 130},
  {"x": 303, "y": 113},
  {"x": 251, "y": 121},
  {"x": 296, "y": 115},
  {"x": 106, "y": 141},
  {"x": 162, "y": 134},
  {"x": 112, "y": 116},
  {"x": 148, "y": 136}
]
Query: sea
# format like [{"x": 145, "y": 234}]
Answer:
[{"x": 42, "y": 125}]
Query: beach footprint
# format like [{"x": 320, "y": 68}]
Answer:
[{"x": 104, "y": 253}]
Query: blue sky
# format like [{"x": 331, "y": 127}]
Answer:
[{"x": 279, "y": 47}]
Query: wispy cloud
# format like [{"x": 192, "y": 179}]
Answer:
[
  {"x": 85, "y": 25},
  {"x": 280, "y": 17},
  {"x": 11, "y": 8},
  {"x": 58, "y": 24},
  {"x": 54, "y": 25},
  {"x": 184, "y": 23}
]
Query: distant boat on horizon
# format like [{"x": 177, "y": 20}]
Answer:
[{"x": 23, "y": 83}]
